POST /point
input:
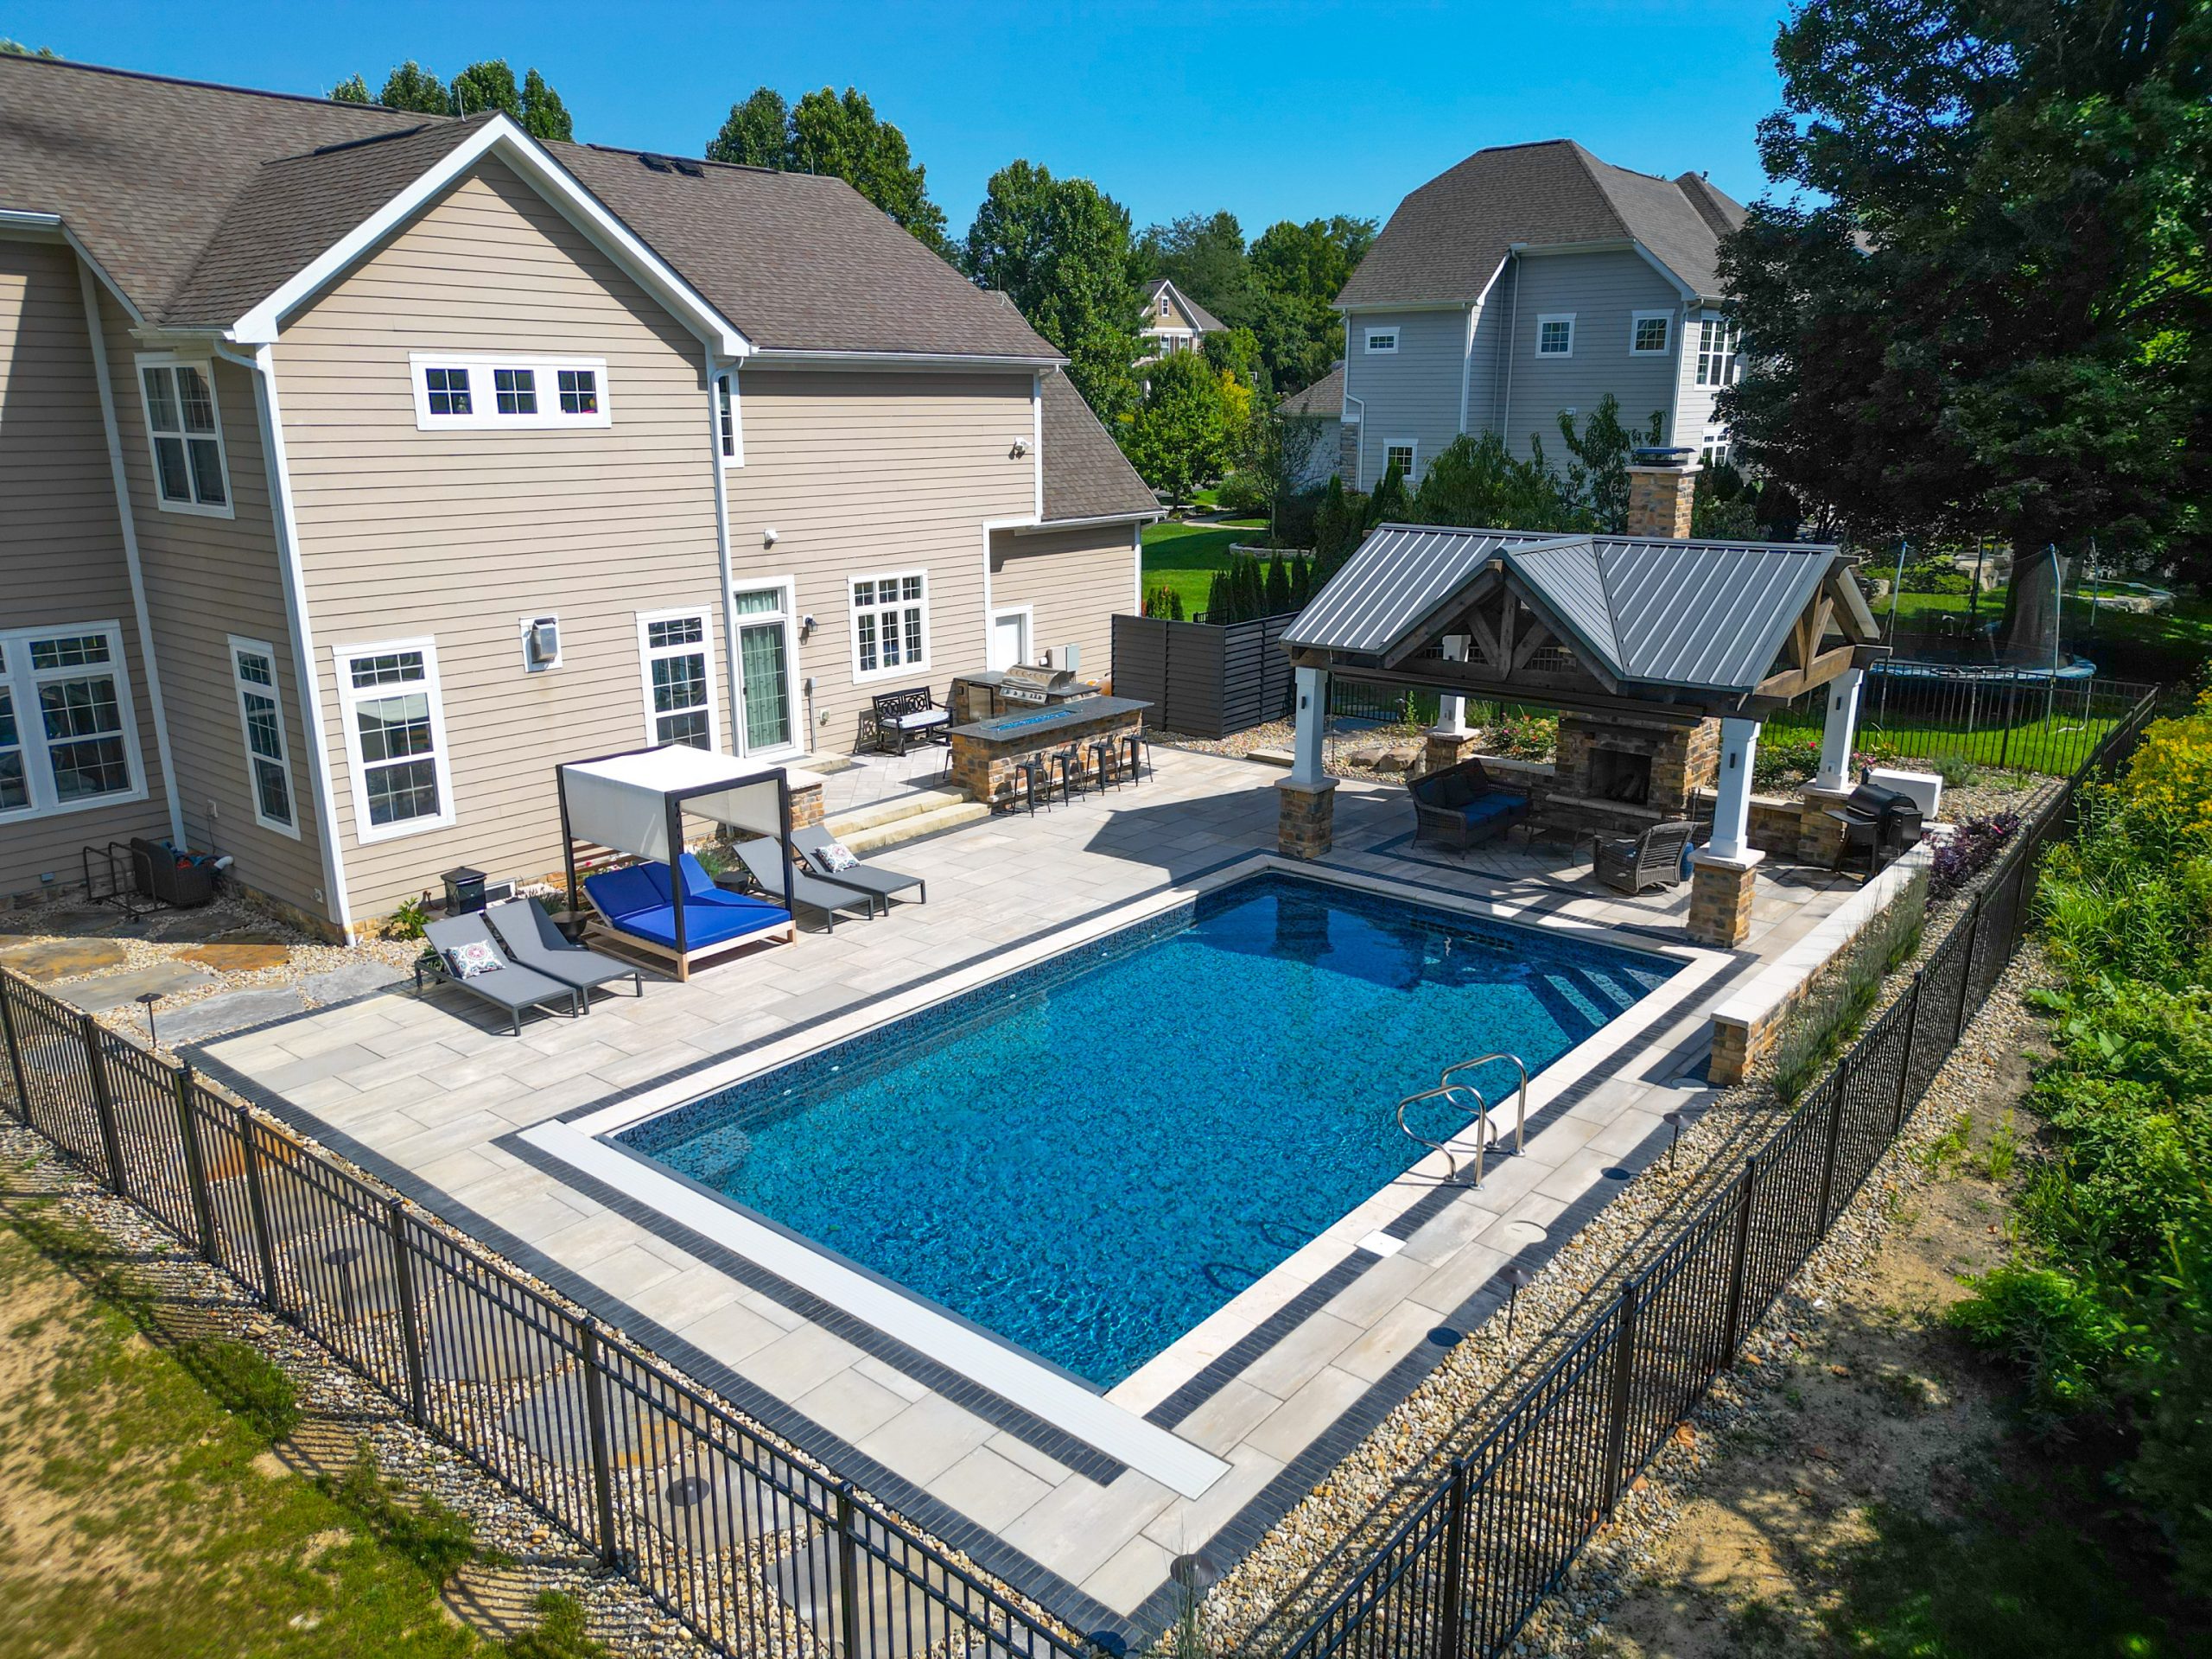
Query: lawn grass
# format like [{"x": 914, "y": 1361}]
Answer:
[
  {"x": 1184, "y": 556},
  {"x": 147, "y": 1515},
  {"x": 2055, "y": 746}
]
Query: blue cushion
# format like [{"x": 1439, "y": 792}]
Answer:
[
  {"x": 703, "y": 924},
  {"x": 621, "y": 893},
  {"x": 1486, "y": 807}
]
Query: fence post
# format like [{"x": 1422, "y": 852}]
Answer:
[
  {"x": 1455, "y": 1565},
  {"x": 1904, "y": 1067},
  {"x": 410, "y": 1332},
  {"x": 2004, "y": 743},
  {"x": 602, "y": 1463},
  {"x": 195, "y": 1166},
  {"x": 119, "y": 1179},
  {"x": 1836, "y": 1088},
  {"x": 15, "y": 1048},
  {"x": 1738, "y": 1254},
  {"x": 257, "y": 1202},
  {"x": 848, "y": 1577},
  {"x": 1624, "y": 1375}
]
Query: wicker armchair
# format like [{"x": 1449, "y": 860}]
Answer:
[{"x": 1654, "y": 859}]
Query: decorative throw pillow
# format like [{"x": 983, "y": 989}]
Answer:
[
  {"x": 467, "y": 961},
  {"x": 832, "y": 857}
]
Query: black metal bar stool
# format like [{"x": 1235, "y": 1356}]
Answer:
[
  {"x": 1066, "y": 771},
  {"x": 1105, "y": 757},
  {"x": 1137, "y": 753},
  {"x": 1024, "y": 789}
]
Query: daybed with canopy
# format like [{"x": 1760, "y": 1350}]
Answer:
[{"x": 669, "y": 906}]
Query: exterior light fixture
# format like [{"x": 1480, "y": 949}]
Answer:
[{"x": 768, "y": 536}]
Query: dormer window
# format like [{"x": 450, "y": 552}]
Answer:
[{"x": 497, "y": 393}]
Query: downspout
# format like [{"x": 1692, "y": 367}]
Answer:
[
  {"x": 1512, "y": 345},
  {"x": 723, "y": 560},
  {"x": 263, "y": 366},
  {"x": 128, "y": 524},
  {"x": 1467, "y": 362}
]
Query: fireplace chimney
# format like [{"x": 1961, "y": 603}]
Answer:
[{"x": 1661, "y": 484}]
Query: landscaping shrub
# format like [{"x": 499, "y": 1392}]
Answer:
[
  {"x": 1956, "y": 771},
  {"x": 1242, "y": 494},
  {"x": 1523, "y": 737},
  {"x": 1165, "y": 603},
  {"x": 1935, "y": 575},
  {"x": 1970, "y": 850},
  {"x": 408, "y": 920},
  {"x": 1785, "y": 758}
]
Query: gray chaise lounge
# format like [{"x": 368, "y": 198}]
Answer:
[
  {"x": 509, "y": 986},
  {"x": 533, "y": 940},
  {"x": 867, "y": 877},
  {"x": 766, "y": 861}
]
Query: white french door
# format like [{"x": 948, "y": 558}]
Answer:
[{"x": 766, "y": 650}]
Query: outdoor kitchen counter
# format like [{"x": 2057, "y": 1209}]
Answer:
[{"x": 986, "y": 753}]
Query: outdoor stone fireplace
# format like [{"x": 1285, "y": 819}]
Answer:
[{"x": 1623, "y": 775}]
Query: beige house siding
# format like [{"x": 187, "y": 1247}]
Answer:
[
  {"x": 60, "y": 539},
  {"x": 1074, "y": 581},
  {"x": 456, "y": 535},
  {"x": 207, "y": 579},
  {"x": 866, "y": 473}
]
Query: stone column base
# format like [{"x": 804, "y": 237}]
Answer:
[
  {"x": 1721, "y": 898},
  {"x": 806, "y": 806},
  {"x": 1307, "y": 826},
  {"x": 1442, "y": 749},
  {"x": 1820, "y": 835}
]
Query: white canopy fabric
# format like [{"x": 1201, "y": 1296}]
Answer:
[{"x": 622, "y": 803}]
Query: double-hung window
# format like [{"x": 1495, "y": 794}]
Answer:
[
  {"x": 679, "y": 655},
  {"x": 1716, "y": 352},
  {"x": 186, "y": 434},
  {"x": 1401, "y": 455},
  {"x": 68, "y": 737},
  {"x": 476, "y": 392},
  {"x": 890, "y": 624},
  {"x": 261, "y": 722},
  {"x": 395, "y": 730},
  {"x": 1555, "y": 335},
  {"x": 1648, "y": 334}
]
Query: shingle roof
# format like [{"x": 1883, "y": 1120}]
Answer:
[
  {"x": 193, "y": 197},
  {"x": 1325, "y": 397},
  {"x": 1086, "y": 476},
  {"x": 1202, "y": 319},
  {"x": 1703, "y": 616},
  {"x": 1448, "y": 238}
]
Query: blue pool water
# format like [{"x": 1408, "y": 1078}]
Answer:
[{"x": 1090, "y": 1157}]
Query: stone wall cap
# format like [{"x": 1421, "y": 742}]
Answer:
[
  {"x": 1749, "y": 859},
  {"x": 1299, "y": 788}
]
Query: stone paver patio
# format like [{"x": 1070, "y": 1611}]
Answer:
[{"x": 1080, "y": 1501}]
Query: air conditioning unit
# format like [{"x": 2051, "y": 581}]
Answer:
[
  {"x": 541, "y": 643},
  {"x": 1066, "y": 657}
]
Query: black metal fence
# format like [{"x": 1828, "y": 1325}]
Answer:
[
  {"x": 753, "y": 1548},
  {"x": 1927, "y": 711},
  {"x": 1457, "y": 1575}
]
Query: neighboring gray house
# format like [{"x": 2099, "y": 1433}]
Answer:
[
  {"x": 1323, "y": 402},
  {"x": 1530, "y": 279}
]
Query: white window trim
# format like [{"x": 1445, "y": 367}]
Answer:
[
  {"x": 1412, "y": 447},
  {"x": 646, "y": 655},
  {"x": 441, "y": 754},
  {"x": 31, "y": 727},
  {"x": 1390, "y": 333},
  {"x": 790, "y": 615},
  {"x": 484, "y": 416},
  {"x": 142, "y": 362},
  {"x": 1028, "y": 633},
  {"x": 1566, "y": 317},
  {"x": 1730, "y": 337},
  {"x": 907, "y": 670},
  {"x": 735, "y": 455},
  {"x": 274, "y": 692},
  {"x": 1636, "y": 319}
]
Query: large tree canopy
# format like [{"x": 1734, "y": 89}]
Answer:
[
  {"x": 841, "y": 135},
  {"x": 1989, "y": 307},
  {"x": 1180, "y": 434},
  {"x": 534, "y": 106},
  {"x": 1060, "y": 249}
]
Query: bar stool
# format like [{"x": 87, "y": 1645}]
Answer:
[
  {"x": 1025, "y": 793},
  {"x": 1066, "y": 769},
  {"x": 1137, "y": 753},
  {"x": 1105, "y": 758}
]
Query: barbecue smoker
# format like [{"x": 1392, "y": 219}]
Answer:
[{"x": 1884, "y": 822}]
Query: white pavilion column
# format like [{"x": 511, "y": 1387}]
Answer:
[
  {"x": 1840, "y": 730},
  {"x": 1731, "y": 812},
  {"x": 1452, "y": 713},
  {"x": 1305, "y": 801},
  {"x": 1312, "y": 717}
]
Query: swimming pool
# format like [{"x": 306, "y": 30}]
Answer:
[{"x": 1091, "y": 1156}]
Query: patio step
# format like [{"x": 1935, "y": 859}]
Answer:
[{"x": 904, "y": 817}]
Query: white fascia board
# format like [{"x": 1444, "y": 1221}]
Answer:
[
  {"x": 1688, "y": 293},
  {"x": 26, "y": 222},
  {"x": 1364, "y": 306},
  {"x": 1043, "y": 525},
  {"x": 500, "y": 137}
]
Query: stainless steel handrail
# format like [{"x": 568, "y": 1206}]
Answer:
[
  {"x": 1481, "y": 1120},
  {"x": 1521, "y": 1106}
]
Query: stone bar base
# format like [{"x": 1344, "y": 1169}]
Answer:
[
  {"x": 1720, "y": 898},
  {"x": 988, "y": 771},
  {"x": 1441, "y": 750},
  {"x": 1307, "y": 825},
  {"x": 1820, "y": 835}
]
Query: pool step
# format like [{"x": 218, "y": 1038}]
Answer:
[{"x": 904, "y": 817}]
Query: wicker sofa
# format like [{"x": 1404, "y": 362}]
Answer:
[{"x": 1460, "y": 806}]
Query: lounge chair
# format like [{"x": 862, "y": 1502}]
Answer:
[
  {"x": 637, "y": 909},
  {"x": 865, "y": 876},
  {"x": 766, "y": 861},
  {"x": 507, "y": 984},
  {"x": 1460, "y": 805},
  {"x": 1653, "y": 859},
  {"x": 533, "y": 941}
]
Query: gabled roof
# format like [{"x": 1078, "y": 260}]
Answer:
[
  {"x": 1447, "y": 238},
  {"x": 1201, "y": 319},
  {"x": 1086, "y": 476},
  {"x": 1325, "y": 397},
  {"x": 191, "y": 197},
  {"x": 1708, "y": 616}
]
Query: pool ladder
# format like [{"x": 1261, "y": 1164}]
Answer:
[{"x": 1486, "y": 1136}]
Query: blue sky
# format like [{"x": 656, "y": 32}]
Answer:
[{"x": 1271, "y": 111}]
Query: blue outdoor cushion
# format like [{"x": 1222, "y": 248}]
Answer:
[
  {"x": 703, "y": 924},
  {"x": 626, "y": 891},
  {"x": 1496, "y": 805}
]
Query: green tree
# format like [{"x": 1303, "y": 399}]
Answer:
[
  {"x": 1597, "y": 476},
  {"x": 1178, "y": 436},
  {"x": 757, "y": 134},
  {"x": 543, "y": 115},
  {"x": 489, "y": 85},
  {"x": 1202, "y": 254},
  {"x": 1060, "y": 249},
  {"x": 1297, "y": 271},
  {"x": 412, "y": 86},
  {"x": 1237, "y": 352},
  {"x": 1474, "y": 482},
  {"x": 18, "y": 49},
  {"x": 351, "y": 90},
  {"x": 1985, "y": 299},
  {"x": 840, "y": 136}
]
